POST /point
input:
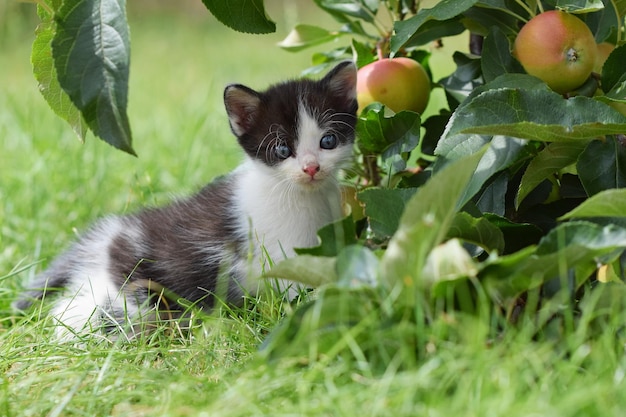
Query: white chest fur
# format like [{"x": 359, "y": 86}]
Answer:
[{"x": 279, "y": 216}]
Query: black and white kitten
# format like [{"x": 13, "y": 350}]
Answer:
[{"x": 296, "y": 136}]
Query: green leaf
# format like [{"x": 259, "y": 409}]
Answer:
[
  {"x": 489, "y": 14},
  {"x": 536, "y": 115},
  {"x": 432, "y": 30},
  {"x": 501, "y": 153},
  {"x": 604, "y": 24},
  {"x": 571, "y": 246},
  {"x": 323, "y": 61},
  {"x": 357, "y": 267},
  {"x": 580, "y": 6},
  {"x": 478, "y": 231},
  {"x": 91, "y": 52},
  {"x": 550, "y": 160},
  {"x": 305, "y": 36},
  {"x": 384, "y": 207},
  {"x": 425, "y": 223},
  {"x": 602, "y": 305},
  {"x": 405, "y": 32},
  {"x": 342, "y": 10},
  {"x": 602, "y": 165},
  {"x": 607, "y": 203},
  {"x": 333, "y": 238},
  {"x": 363, "y": 53},
  {"x": 614, "y": 73},
  {"x": 583, "y": 235},
  {"x": 492, "y": 196},
  {"x": 312, "y": 271},
  {"x": 496, "y": 55},
  {"x": 46, "y": 75},
  {"x": 391, "y": 136},
  {"x": 464, "y": 80},
  {"x": 246, "y": 16},
  {"x": 517, "y": 236}
]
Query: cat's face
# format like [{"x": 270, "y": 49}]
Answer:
[{"x": 301, "y": 130}]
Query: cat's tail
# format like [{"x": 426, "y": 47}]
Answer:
[{"x": 54, "y": 279}]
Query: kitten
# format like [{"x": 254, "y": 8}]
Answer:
[{"x": 296, "y": 136}]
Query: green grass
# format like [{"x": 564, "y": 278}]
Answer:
[{"x": 51, "y": 186}]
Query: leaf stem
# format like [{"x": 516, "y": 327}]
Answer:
[
  {"x": 540, "y": 6},
  {"x": 44, "y": 6},
  {"x": 382, "y": 30},
  {"x": 524, "y": 6},
  {"x": 371, "y": 168},
  {"x": 379, "y": 49},
  {"x": 518, "y": 17}
]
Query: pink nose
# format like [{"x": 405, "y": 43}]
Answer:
[{"x": 311, "y": 169}]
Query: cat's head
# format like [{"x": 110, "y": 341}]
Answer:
[{"x": 303, "y": 129}]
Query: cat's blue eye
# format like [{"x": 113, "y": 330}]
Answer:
[
  {"x": 282, "y": 151},
  {"x": 328, "y": 142}
]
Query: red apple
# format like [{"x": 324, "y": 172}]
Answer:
[
  {"x": 398, "y": 83},
  {"x": 558, "y": 48}
]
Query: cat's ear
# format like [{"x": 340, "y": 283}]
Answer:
[
  {"x": 242, "y": 106},
  {"x": 341, "y": 81}
]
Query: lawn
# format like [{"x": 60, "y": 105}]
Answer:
[{"x": 51, "y": 187}]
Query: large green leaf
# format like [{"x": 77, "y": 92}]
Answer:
[
  {"x": 246, "y": 16},
  {"x": 384, "y": 207},
  {"x": 582, "y": 234},
  {"x": 91, "y": 52},
  {"x": 608, "y": 203},
  {"x": 467, "y": 83},
  {"x": 537, "y": 115},
  {"x": 425, "y": 223},
  {"x": 550, "y": 160},
  {"x": 46, "y": 75},
  {"x": 406, "y": 31},
  {"x": 577, "y": 246},
  {"x": 602, "y": 165},
  {"x": 501, "y": 153}
]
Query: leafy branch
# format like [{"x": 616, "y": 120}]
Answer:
[{"x": 81, "y": 60}]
